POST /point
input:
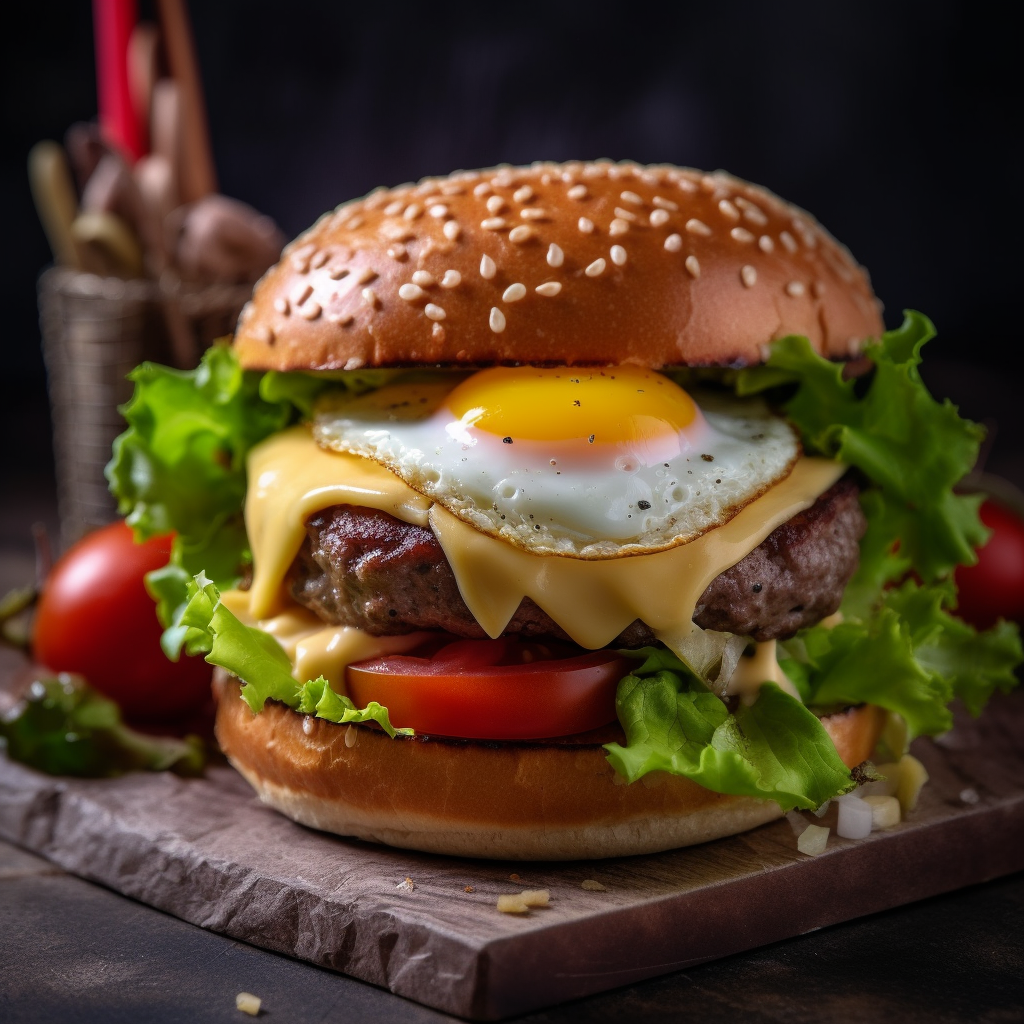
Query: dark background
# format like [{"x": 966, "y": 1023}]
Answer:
[{"x": 896, "y": 124}]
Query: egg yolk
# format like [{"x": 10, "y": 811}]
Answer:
[{"x": 619, "y": 405}]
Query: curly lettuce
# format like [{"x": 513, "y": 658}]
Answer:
[
  {"x": 208, "y": 628},
  {"x": 773, "y": 749}
]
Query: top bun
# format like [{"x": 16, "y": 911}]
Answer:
[{"x": 585, "y": 264}]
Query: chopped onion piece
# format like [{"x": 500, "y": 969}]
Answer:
[
  {"x": 854, "y": 817},
  {"x": 812, "y": 840},
  {"x": 885, "y": 811},
  {"x": 823, "y": 809},
  {"x": 248, "y": 1003},
  {"x": 912, "y": 777},
  {"x": 512, "y": 904},
  {"x": 536, "y": 897}
]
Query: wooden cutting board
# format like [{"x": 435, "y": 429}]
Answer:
[{"x": 206, "y": 851}]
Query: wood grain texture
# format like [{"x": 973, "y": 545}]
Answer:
[{"x": 206, "y": 851}]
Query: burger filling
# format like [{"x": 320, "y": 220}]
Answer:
[{"x": 361, "y": 603}]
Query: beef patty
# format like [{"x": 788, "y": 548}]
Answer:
[{"x": 362, "y": 567}]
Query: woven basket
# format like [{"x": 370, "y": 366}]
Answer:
[{"x": 95, "y": 330}]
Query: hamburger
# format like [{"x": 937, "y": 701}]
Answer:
[{"x": 562, "y": 512}]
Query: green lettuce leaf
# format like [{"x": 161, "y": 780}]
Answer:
[
  {"x": 255, "y": 657},
  {"x": 64, "y": 727},
  {"x": 913, "y": 448},
  {"x": 774, "y": 749},
  {"x": 911, "y": 656}
]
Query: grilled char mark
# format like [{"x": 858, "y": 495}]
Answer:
[{"x": 362, "y": 567}]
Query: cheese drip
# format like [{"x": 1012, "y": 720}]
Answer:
[
  {"x": 314, "y": 648},
  {"x": 761, "y": 667},
  {"x": 592, "y": 600}
]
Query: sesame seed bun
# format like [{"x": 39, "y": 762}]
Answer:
[
  {"x": 585, "y": 264},
  {"x": 551, "y": 800}
]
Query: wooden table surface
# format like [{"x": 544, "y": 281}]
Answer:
[{"x": 76, "y": 952}]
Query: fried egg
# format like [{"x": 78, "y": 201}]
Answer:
[{"x": 588, "y": 463}]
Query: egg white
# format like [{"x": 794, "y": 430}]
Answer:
[{"x": 549, "y": 499}]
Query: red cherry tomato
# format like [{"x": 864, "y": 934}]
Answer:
[
  {"x": 95, "y": 617},
  {"x": 994, "y": 587},
  {"x": 492, "y": 689}
]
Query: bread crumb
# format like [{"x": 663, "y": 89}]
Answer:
[
  {"x": 407, "y": 885},
  {"x": 469, "y": 888},
  {"x": 520, "y": 903},
  {"x": 592, "y": 885},
  {"x": 512, "y": 905},
  {"x": 248, "y": 1003},
  {"x": 514, "y": 877}
]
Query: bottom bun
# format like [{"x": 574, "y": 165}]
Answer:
[{"x": 554, "y": 800}]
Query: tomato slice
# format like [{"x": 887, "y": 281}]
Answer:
[{"x": 503, "y": 689}]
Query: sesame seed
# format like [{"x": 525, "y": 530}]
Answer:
[
  {"x": 340, "y": 318},
  {"x": 395, "y": 208},
  {"x": 618, "y": 227},
  {"x": 410, "y": 292},
  {"x": 697, "y": 227},
  {"x": 496, "y": 321},
  {"x": 631, "y": 197},
  {"x": 412, "y": 211},
  {"x": 319, "y": 259},
  {"x": 493, "y": 223},
  {"x": 397, "y": 232},
  {"x": 452, "y": 190},
  {"x": 520, "y": 234},
  {"x": 693, "y": 266},
  {"x": 795, "y": 289},
  {"x": 265, "y": 335},
  {"x": 523, "y": 195},
  {"x": 625, "y": 214},
  {"x": 686, "y": 185},
  {"x": 596, "y": 268},
  {"x": 748, "y": 275},
  {"x": 577, "y": 192},
  {"x": 355, "y": 222},
  {"x": 674, "y": 243},
  {"x": 618, "y": 255},
  {"x": 788, "y": 241},
  {"x": 751, "y": 212},
  {"x": 548, "y": 288},
  {"x": 741, "y": 235},
  {"x": 300, "y": 295},
  {"x": 555, "y": 256},
  {"x": 483, "y": 189},
  {"x": 495, "y": 204},
  {"x": 514, "y": 292},
  {"x": 665, "y": 204},
  {"x": 586, "y": 225},
  {"x": 397, "y": 251},
  {"x": 818, "y": 289},
  {"x": 765, "y": 243},
  {"x": 366, "y": 275},
  {"x": 370, "y": 297},
  {"x": 434, "y": 312},
  {"x": 437, "y": 332},
  {"x": 424, "y": 279},
  {"x": 659, "y": 217},
  {"x": 487, "y": 267},
  {"x": 451, "y": 230},
  {"x": 438, "y": 211},
  {"x": 337, "y": 273},
  {"x": 451, "y": 279},
  {"x": 282, "y": 305},
  {"x": 310, "y": 311},
  {"x": 728, "y": 210},
  {"x": 533, "y": 213}
]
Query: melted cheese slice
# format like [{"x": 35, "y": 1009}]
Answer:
[
  {"x": 291, "y": 478},
  {"x": 315, "y": 648}
]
